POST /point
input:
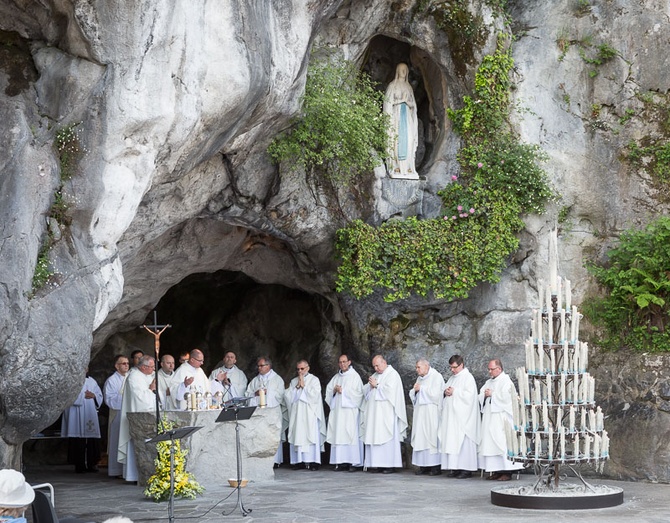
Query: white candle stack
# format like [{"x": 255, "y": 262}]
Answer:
[
  {"x": 605, "y": 445},
  {"x": 561, "y": 434},
  {"x": 575, "y": 447},
  {"x": 600, "y": 419}
]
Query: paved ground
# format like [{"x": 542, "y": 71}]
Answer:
[{"x": 337, "y": 497}]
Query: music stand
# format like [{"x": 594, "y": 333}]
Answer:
[
  {"x": 172, "y": 435},
  {"x": 236, "y": 413}
]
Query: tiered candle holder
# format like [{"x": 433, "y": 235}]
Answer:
[{"x": 556, "y": 421}]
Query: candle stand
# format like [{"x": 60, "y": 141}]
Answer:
[{"x": 557, "y": 426}]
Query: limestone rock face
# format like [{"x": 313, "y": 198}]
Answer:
[{"x": 174, "y": 109}]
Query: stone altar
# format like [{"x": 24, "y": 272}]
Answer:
[{"x": 211, "y": 454}]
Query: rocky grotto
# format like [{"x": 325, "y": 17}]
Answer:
[{"x": 173, "y": 203}]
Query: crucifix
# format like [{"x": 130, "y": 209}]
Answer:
[{"x": 156, "y": 330}]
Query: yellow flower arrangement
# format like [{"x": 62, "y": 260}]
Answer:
[{"x": 185, "y": 484}]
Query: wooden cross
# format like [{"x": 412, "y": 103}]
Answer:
[{"x": 156, "y": 330}]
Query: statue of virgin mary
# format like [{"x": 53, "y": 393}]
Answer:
[{"x": 400, "y": 105}]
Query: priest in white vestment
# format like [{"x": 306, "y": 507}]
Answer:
[
  {"x": 167, "y": 386},
  {"x": 383, "y": 418},
  {"x": 267, "y": 389},
  {"x": 307, "y": 421},
  {"x": 344, "y": 395},
  {"x": 426, "y": 396},
  {"x": 80, "y": 424},
  {"x": 138, "y": 396},
  {"x": 190, "y": 377},
  {"x": 460, "y": 422},
  {"x": 496, "y": 398},
  {"x": 112, "y": 394},
  {"x": 231, "y": 378}
]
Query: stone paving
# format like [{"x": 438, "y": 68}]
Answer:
[{"x": 337, "y": 497}]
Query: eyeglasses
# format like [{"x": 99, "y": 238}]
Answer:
[
  {"x": 343, "y": 361},
  {"x": 262, "y": 365},
  {"x": 493, "y": 368},
  {"x": 301, "y": 368},
  {"x": 123, "y": 363},
  {"x": 455, "y": 366},
  {"x": 196, "y": 359}
]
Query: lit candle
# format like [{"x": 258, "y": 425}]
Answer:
[
  {"x": 571, "y": 417},
  {"x": 568, "y": 294},
  {"x": 550, "y": 445}
]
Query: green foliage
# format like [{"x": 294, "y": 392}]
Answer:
[
  {"x": 634, "y": 312},
  {"x": 582, "y": 7},
  {"x": 42, "y": 268},
  {"x": 158, "y": 485},
  {"x": 69, "y": 149},
  {"x": 655, "y": 158},
  {"x": 341, "y": 131},
  {"x": 500, "y": 180}
]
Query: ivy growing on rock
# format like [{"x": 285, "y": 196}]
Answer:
[
  {"x": 341, "y": 131},
  {"x": 634, "y": 312},
  {"x": 501, "y": 179}
]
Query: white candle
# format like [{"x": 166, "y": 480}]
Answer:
[
  {"x": 550, "y": 386},
  {"x": 561, "y": 432},
  {"x": 563, "y": 398},
  {"x": 568, "y": 294},
  {"x": 545, "y": 416},
  {"x": 552, "y": 360},
  {"x": 537, "y": 391},
  {"x": 522, "y": 444},
  {"x": 533, "y": 417},
  {"x": 575, "y": 388},
  {"x": 550, "y": 319},
  {"x": 587, "y": 447},
  {"x": 533, "y": 327},
  {"x": 565, "y": 367},
  {"x": 553, "y": 259},
  {"x": 540, "y": 360},
  {"x": 584, "y": 360},
  {"x": 538, "y": 445},
  {"x": 550, "y": 445},
  {"x": 600, "y": 419},
  {"x": 526, "y": 384},
  {"x": 559, "y": 282},
  {"x": 539, "y": 328},
  {"x": 592, "y": 420},
  {"x": 605, "y": 445},
  {"x": 596, "y": 446},
  {"x": 515, "y": 412},
  {"x": 592, "y": 389},
  {"x": 578, "y": 316},
  {"x": 576, "y": 447},
  {"x": 561, "y": 336},
  {"x": 530, "y": 357},
  {"x": 559, "y": 416},
  {"x": 573, "y": 324},
  {"x": 571, "y": 417},
  {"x": 582, "y": 425},
  {"x": 524, "y": 420}
]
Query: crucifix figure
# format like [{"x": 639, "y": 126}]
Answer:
[{"x": 156, "y": 330}]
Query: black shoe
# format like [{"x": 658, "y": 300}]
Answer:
[
  {"x": 465, "y": 474},
  {"x": 421, "y": 471},
  {"x": 388, "y": 471},
  {"x": 435, "y": 471},
  {"x": 275, "y": 466},
  {"x": 297, "y": 466},
  {"x": 312, "y": 466},
  {"x": 342, "y": 467},
  {"x": 354, "y": 469},
  {"x": 453, "y": 474}
]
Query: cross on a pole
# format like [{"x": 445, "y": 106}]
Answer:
[{"x": 156, "y": 330}]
